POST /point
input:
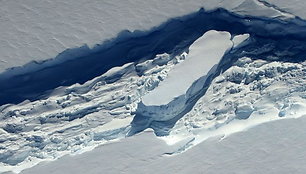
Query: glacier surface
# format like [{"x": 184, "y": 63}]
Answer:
[
  {"x": 89, "y": 95},
  {"x": 38, "y": 31}
]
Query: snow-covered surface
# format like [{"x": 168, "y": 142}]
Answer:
[
  {"x": 240, "y": 39},
  {"x": 275, "y": 147},
  {"x": 204, "y": 54},
  {"x": 296, "y": 7},
  {"x": 39, "y": 30},
  {"x": 185, "y": 80},
  {"x": 252, "y": 91},
  {"x": 79, "y": 117},
  {"x": 266, "y": 83}
]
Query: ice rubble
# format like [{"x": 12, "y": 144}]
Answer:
[
  {"x": 80, "y": 116},
  {"x": 77, "y": 117},
  {"x": 83, "y": 116},
  {"x": 187, "y": 79},
  {"x": 266, "y": 90},
  {"x": 249, "y": 93}
]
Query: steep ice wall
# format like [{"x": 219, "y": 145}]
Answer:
[{"x": 185, "y": 81}]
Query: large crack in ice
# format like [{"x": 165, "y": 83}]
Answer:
[
  {"x": 267, "y": 4},
  {"x": 18, "y": 84},
  {"x": 80, "y": 116}
]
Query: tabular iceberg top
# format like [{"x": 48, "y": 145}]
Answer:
[{"x": 204, "y": 54}]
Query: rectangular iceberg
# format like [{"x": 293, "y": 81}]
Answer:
[{"x": 186, "y": 79}]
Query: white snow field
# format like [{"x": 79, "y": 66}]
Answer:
[
  {"x": 186, "y": 79},
  {"x": 274, "y": 147},
  {"x": 231, "y": 101},
  {"x": 39, "y": 30}
]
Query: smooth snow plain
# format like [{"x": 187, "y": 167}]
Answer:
[{"x": 33, "y": 32}]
